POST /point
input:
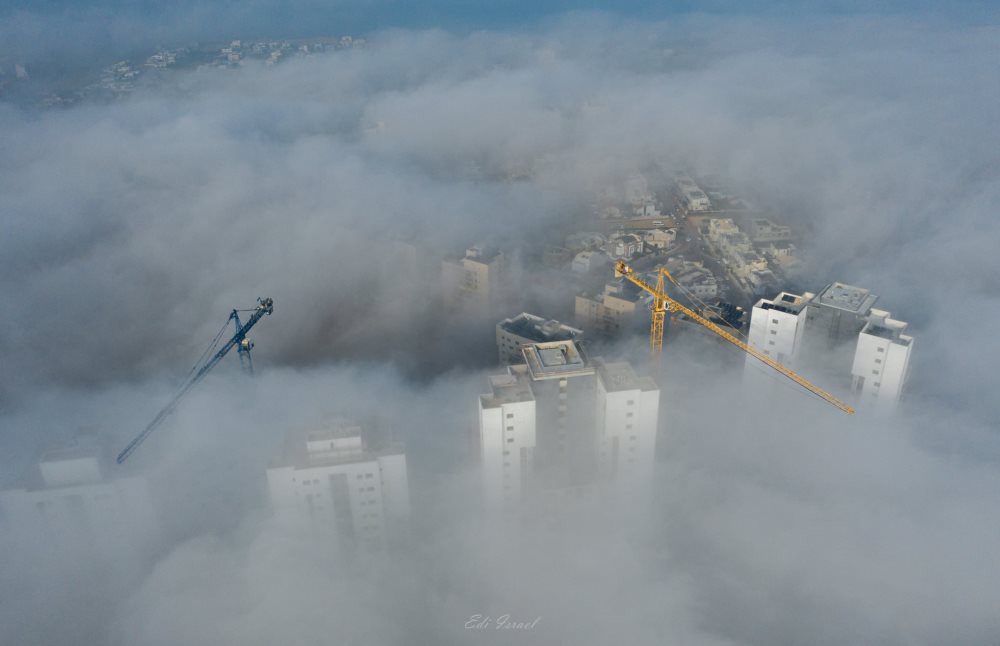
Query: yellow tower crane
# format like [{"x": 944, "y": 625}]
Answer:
[{"x": 662, "y": 303}]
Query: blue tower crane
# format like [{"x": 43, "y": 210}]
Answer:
[{"x": 243, "y": 346}]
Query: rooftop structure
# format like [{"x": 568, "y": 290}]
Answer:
[
  {"x": 847, "y": 298},
  {"x": 526, "y": 328},
  {"x": 556, "y": 360}
]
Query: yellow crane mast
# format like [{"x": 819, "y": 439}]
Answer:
[{"x": 662, "y": 303}]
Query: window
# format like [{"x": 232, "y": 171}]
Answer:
[
  {"x": 770, "y": 342},
  {"x": 775, "y": 321},
  {"x": 628, "y": 414},
  {"x": 628, "y": 426},
  {"x": 506, "y": 452},
  {"x": 510, "y": 415},
  {"x": 874, "y": 372},
  {"x": 630, "y": 402},
  {"x": 510, "y": 428},
  {"x": 880, "y": 349},
  {"x": 369, "y": 475},
  {"x": 878, "y": 361},
  {"x": 774, "y": 331},
  {"x": 876, "y": 384},
  {"x": 510, "y": 440}
]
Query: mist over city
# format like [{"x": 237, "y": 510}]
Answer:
[{"x": 457, "y": 421}]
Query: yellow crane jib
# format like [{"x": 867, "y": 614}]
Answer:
[{"x": 662, "y": 303}]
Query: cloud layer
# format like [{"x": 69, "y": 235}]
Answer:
[{"x": 134, "y": 227}]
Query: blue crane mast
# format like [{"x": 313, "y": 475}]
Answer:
[{"x": 243, "y": 346}]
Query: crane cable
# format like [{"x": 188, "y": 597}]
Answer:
[{"x": 211, "y": 346}]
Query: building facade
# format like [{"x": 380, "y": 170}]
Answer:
[
  {"x": 560, "y": 422},
  {"x": 331, "y": 480},
  {"x": 881, "y": 360},
  {"x": 777, "y": 327},
  {"x": 475, "y": 279},
  {"x": 840, "y": 338},
  {"x": 72, "y": 503}
]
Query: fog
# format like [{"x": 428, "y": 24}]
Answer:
[{"x": 335, "y": 184}]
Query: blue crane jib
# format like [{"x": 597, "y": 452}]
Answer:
[{"x": 243, "y": 346}]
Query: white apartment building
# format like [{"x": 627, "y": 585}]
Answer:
[
  {"x": 833, "y": 334},
  {"x": 475, "y": 279},
  {"x": 71, "y": 503},
  {"x": 333, "y": 481},
  {"x": 777, "y": 327},
  {"x": 881, "y": 360},
  {"x": 507, "y": 436},
  {"x": 610, "y": 312},
  {"x": 628, "y": 409},
  {"x": 588, "y": 261},
  {"x": 527, "y": 328},
  {"x": 562, "y": 423}
]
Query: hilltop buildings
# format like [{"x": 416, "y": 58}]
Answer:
[
  {"x": 335, "y": 480},
  {"x": 560, "y": 423}
]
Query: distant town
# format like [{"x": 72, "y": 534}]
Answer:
[{"x": 121, "y": 78}]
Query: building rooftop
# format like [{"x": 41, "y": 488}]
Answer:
[
  {"x": 538, "y": 329},
  {"x": 508, "y": 389},
  {"x": 482, "y": 252},
  {"x": 620, "y": 375},
  {"x": 848, "y": 298},
  {"x": 880, "y": 325},
  {"x": 333, "y": 441},
  {"x": 784, "y": 302},
  {"x": 624, "y": 289},
  {"x": 556, "y": 360}
]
